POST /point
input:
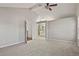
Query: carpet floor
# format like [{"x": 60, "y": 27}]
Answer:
[{"x": 41, "y": 48}]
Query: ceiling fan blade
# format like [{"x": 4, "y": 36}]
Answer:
[
  {"x": 50, "y": 9},
  {"x": 53, "y": 5}
]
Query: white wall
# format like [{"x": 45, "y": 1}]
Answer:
[
  {"x": 77, "y": 24},
  {"x": 11, "y": 26},
  {"x": 62, "y": 29},
  {"x": 31, "y": 18}
]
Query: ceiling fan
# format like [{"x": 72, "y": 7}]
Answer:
[
  {"x": 48, "y": 6},
  {"x": 45, "y": 5}
]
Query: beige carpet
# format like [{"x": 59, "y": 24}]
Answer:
[{"x": 41, "y": 48}]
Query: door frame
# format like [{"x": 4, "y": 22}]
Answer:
[
  {"x": 46, "y": 28},
  {"x": 25, "y": 26}
]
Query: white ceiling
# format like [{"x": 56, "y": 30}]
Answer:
[
  {"x": 62, "y": 10},
  {"x": 17, "y": 5}
]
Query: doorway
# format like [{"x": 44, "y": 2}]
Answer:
[{"x": 41, "y": 30}]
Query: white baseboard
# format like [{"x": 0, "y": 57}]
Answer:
[
  {"x": 2, "y": 46},
  {"x": 61, "y": 40}
]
